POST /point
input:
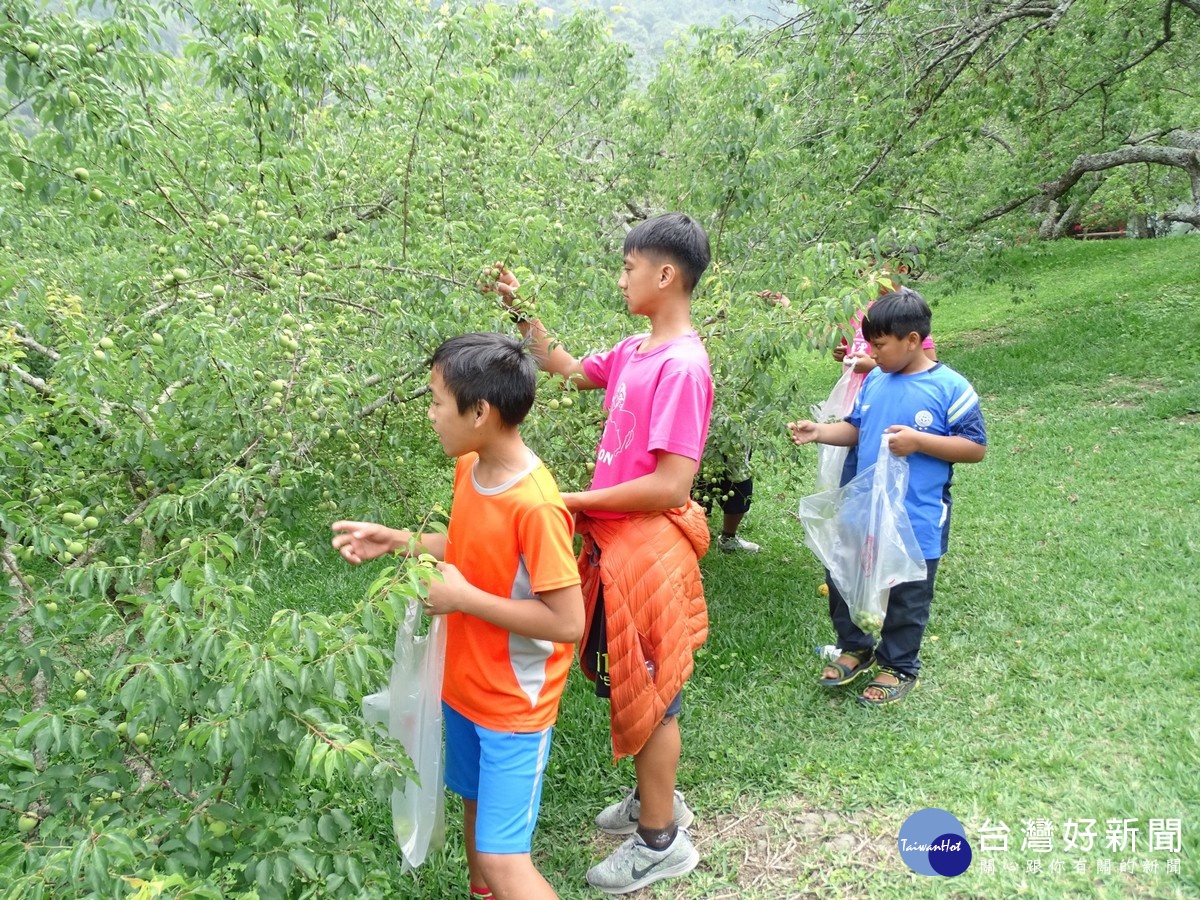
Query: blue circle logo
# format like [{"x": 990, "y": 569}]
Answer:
[{"x": 933, "y": 842}]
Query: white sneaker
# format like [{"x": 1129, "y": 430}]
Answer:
[
  {"x": 730, "y": 544},
  {"x": 622, "y": 817},
  {"x": 635, "y": 864}
]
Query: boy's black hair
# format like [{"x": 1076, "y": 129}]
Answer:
[
  {"x": 676, "y": 236},
  {"x": 485, "y": 365},
  {"x": 898, "y": 313}
]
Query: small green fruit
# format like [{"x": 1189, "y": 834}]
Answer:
[
  {"x": 156, "y": 339},
  {"x": 81, "y": 174},
  {"x": 32, "y": 51},
  {"x": 95, "y": 195},
  {"x": 179, "y": 274},
  {"x": 106, "y": 343},
  {"x": 26, "y": 824},
  {"x": 91, "y": 522},
  {"x": 82, "y": 675},
  {"x": 51, "y": 606},
  {"x": 75, "y": 548},
  {"x": 72, "y": 519},
  {"x": 99, "y": 355},
  {"x": 80, "y": 695},
  {"x": 141, "y": 739}
]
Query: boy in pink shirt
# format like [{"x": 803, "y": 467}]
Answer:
[{"x": 638, "y": 522}]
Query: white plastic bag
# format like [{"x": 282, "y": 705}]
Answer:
[
  {"x": 862, "y": 534},
  {"x": 830, "y": 460},
  {"x": 838, "y": 404},
  {"x": 410, "y": 708}
]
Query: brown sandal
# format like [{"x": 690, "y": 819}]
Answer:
[{"x": 845, "y": 673}]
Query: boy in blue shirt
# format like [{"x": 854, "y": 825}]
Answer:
[{"x": 932, "y": 417}]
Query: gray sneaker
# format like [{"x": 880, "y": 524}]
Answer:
[
  {"x": 622, "y": 817},
  {"x": 634, "y": 864},
  {"x": 734, "y": 543}
]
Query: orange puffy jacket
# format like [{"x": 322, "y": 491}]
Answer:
[{"x": 654, "y": 610}]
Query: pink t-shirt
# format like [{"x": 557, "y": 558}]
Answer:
[{"x": 659, "y": 400}]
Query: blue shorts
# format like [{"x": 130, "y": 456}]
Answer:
[{"x": 503, "y": 772}]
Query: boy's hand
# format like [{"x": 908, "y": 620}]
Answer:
[
  {"x": 779, "y": 298},
  {"x": 803, "y": 432},
  {"x": 445, "y": 591},
  {"x": 359, "y": 542},
  {"x": 496, "y": 279},
  {"x": 862, "y": 363},
  {"x": 902, "y": 440},
  {"x": 839, "y": 352}
]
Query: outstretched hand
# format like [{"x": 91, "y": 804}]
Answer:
[
  {"x": 803, "y": 432},
  {"x": 498, "y": 280},
  {"x": 360, "y": 542}
]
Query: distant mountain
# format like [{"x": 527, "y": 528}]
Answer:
[{"x": 647, "y": 25}]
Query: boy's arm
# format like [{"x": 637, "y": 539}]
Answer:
[
  {"x": 555, "y": 615},
  {"x": 838, "y": 434},
  {"x": 359, "y": 542},
  {"x": 668, "y": 487},
  {"x": 950, "y": 448},
  {"x": 551, "y": 356}
]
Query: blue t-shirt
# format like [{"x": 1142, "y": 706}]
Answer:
[{"x": 937, "y": 401}]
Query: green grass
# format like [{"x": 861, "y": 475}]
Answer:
[{"x": 1060, "y": 678}]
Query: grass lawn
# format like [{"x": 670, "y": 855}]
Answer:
[{"x": 1059, "y": 681}]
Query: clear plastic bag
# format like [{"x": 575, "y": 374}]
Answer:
[
  {"x": 831, "y": 460},
  {"x": 410, "y": 709},
  {"x": 862, "y": 534}
]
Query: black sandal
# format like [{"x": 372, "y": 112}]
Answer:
[
  {"x": 892, "y": 693},
  {"x": 845, "y": 673}
]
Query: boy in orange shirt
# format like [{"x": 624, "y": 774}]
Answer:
[{"x": 509, "y": 588}]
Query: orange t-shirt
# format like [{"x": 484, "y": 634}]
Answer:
[{"x": 514, "y": 541}]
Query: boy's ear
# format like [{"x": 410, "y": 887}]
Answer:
[
  {"x": 914, "y": 340},
  {"x": 483, "y": 411},
  {"x": 667, "y": 273}
]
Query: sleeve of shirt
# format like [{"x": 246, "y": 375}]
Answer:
[
  {"x": 545, "y": 536},
  {"x": 597, "y": 366},
  {"x": 682, "y": 401},
  {"x": 964, "y": 417}
]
